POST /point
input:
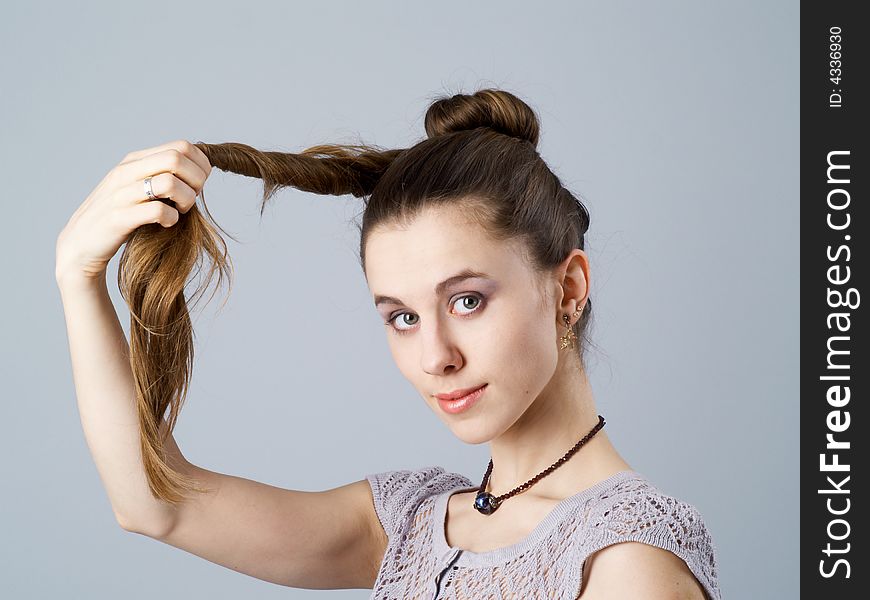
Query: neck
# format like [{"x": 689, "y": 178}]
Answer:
[{"x": 559, "y": 417}]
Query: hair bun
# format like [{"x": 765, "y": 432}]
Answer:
[{"x": 496, "y": 109}]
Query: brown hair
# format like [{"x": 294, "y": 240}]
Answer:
[{"x": 480, "y": 151}]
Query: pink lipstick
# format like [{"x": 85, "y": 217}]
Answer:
[{"x": 455, "y": 403}]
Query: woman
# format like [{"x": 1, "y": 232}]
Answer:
[{"x": 473, "y": 252}]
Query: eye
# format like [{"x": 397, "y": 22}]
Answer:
[
  {"x": 396, "y": 318},
  {"x": 473, "y": 300},
  {"x": 475, "y": 303}
]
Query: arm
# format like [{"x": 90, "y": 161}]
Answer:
[
  {"x": 106, "y": 398},
  {"x": 318, "y": 540},
  {"x": 315, "y": 540},
  {"x": 629, "y": 570},
  {"x": 304, "y": 539}
]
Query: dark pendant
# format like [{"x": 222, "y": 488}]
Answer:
[{"x": 486, "y": 503}]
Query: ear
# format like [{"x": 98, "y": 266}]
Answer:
[{"x": 574, "y": 278}]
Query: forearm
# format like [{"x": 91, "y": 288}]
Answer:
[{"x": 107, "y": 402}]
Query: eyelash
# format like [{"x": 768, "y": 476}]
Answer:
[{"x": 389, "y": 323}]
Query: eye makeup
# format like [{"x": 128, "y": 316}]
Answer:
[{"x": 481, "y": 302}]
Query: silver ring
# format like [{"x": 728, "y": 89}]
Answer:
[{"x": 148, "y": 191}]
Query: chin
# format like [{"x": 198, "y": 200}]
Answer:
[
  {"x": 473, "y": 440},
  {"x": 471, "y": 432}
]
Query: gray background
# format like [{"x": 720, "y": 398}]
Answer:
[{"x": 676, "y": 122}]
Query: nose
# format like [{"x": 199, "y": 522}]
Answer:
[{"x": 439, "y": 354}]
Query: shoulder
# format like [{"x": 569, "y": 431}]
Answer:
[
  {"x": 663, "y": 540},
  {"x": 397, "y": 493},
  {"x": 639, "y": 570}
]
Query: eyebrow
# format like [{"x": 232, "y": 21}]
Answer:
[{"x": 439, "y": 289}]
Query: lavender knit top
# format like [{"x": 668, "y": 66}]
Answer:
[{"x": 548, "y": 563}]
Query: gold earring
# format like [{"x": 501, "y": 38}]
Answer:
[{"x": 569, "y": 338}]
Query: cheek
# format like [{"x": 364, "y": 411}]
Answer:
[{"x": 526, "y": 355}]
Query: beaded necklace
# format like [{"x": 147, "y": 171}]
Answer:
[{"x": 485, "y": 503}]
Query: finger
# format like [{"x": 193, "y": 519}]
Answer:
[
  {"x": 170, "y": 160},
  {"x": 163, "y": 185},
  {"x": 190, "y": 150},
  {"x": 149, "y": 212}
]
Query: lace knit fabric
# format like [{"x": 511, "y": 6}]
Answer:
[{"x": 546, "y": 564}]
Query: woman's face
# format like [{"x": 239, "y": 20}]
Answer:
[{"x": 492, "y": 328}]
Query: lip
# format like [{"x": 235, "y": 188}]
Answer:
[
  {"x": 461, "y": 403},
  {"x": 456, "y": 394}
]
